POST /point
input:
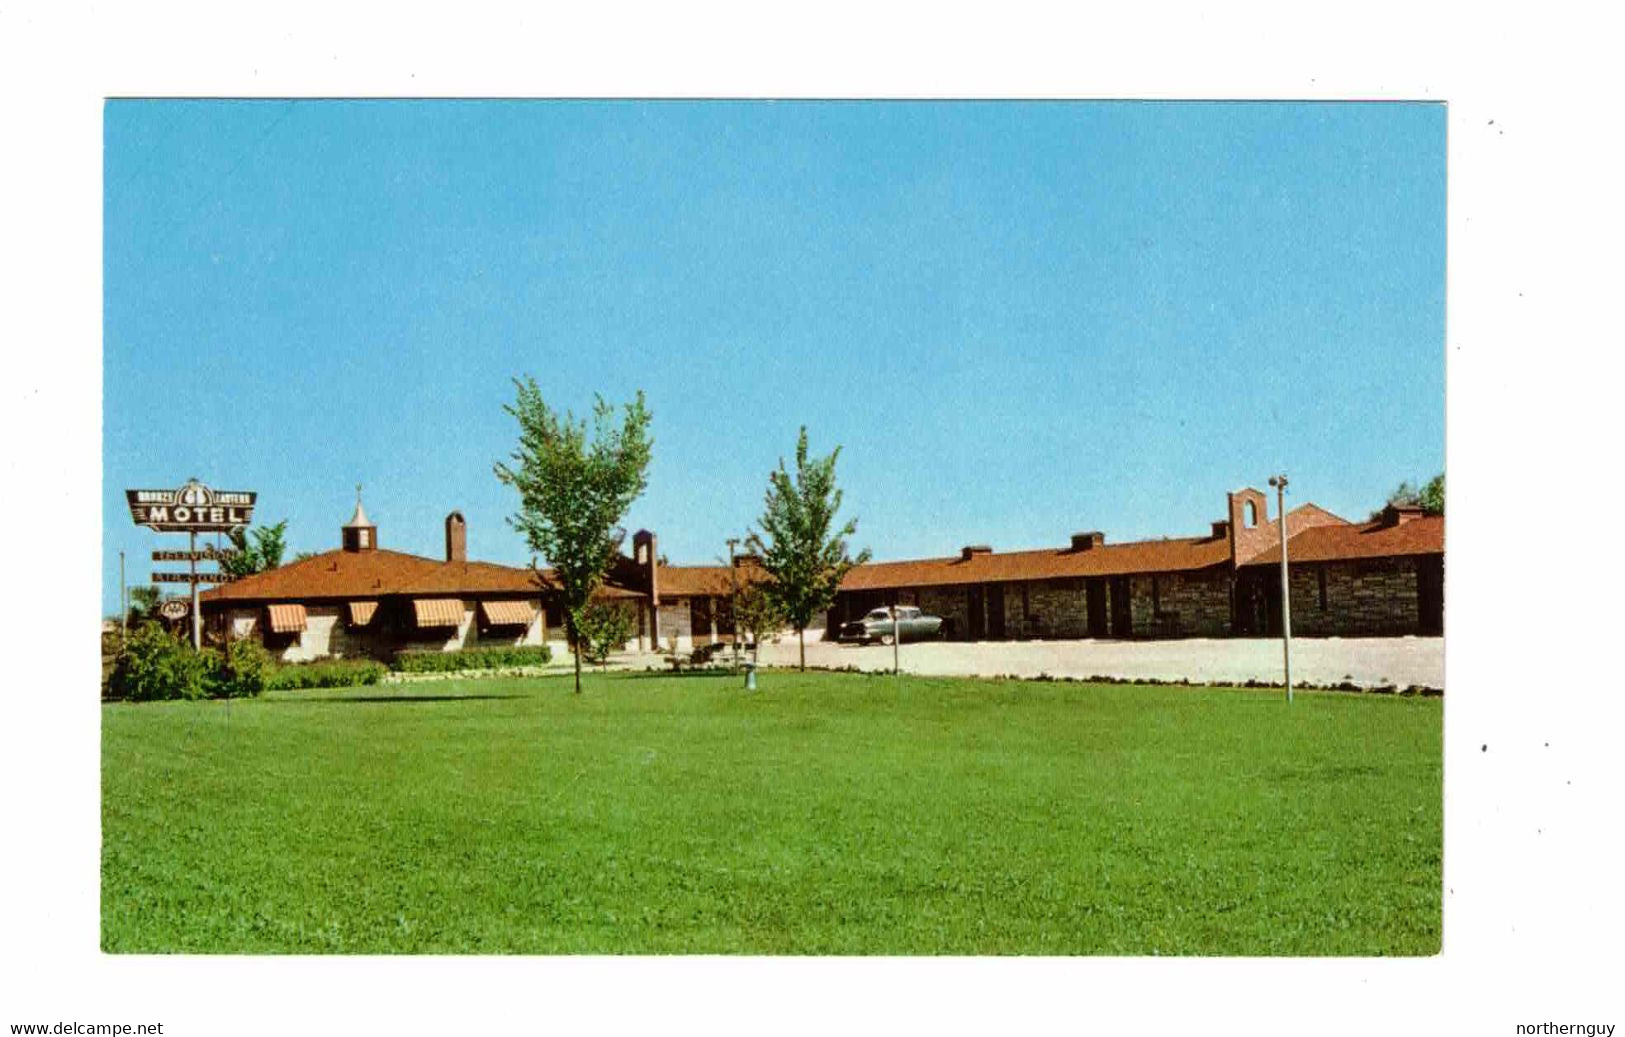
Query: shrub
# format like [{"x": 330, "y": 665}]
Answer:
[
  {"x": 494, "y": 658},
  {"x": 155, "y": 665},
  {"x": 326, "y": 673},
  {"x": 604, "y": 628},
  {"x": 240, "y": 671}
]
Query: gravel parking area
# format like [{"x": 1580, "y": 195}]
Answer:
[{"x": 1368, "y": 662}]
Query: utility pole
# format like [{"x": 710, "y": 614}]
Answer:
[
  {"x": 1279, "y": 482},
  {"x": 123, "y": 603}
]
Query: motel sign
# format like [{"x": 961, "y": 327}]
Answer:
[{"x": 194, "y": 508}]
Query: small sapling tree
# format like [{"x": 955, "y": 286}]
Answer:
[
  {"x": 802, "y": 550},
  {"x": 574, "y": 490}
]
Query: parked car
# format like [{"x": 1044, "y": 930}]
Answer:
[{"x": 911, "y": 625}]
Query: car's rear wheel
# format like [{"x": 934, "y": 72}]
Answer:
[{"x": 885, "y": 639}]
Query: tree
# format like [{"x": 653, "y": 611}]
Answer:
[
  {"x": 574, "y": 491},
  {"x": 605, "y": 628},
  {"x": 755, "y": 613},
  {"x": 263, "y": 552},
  {"x": 1430, "y": 498},
  {"x": 143, "y": 605},
  {"x": 804, "y": 555}
]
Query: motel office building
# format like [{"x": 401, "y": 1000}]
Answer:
[{"x": 1379, "y": 578}]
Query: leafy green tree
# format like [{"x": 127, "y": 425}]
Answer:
[
  {"x": 605, "y": 628},
  {"x": 756, "y": 614},
  {"x": 143, "y": 605},
  {"x": 574, "y": 491},
  {"x": 1431, "y": 496},
  {"x": 805, "y": 555},
  {"x": 257, "y": 549}
]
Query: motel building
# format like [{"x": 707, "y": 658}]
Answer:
[
  {"x": 1348, "y": 579},
  {"x": 364, "y": 600}
]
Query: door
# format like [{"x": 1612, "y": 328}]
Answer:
[
  {"x": 1095, "y": 603},
  {"x": 975, "y": 614},
  {"x": 1430, "y": 594},
  {"x": 995, "y": 612},
  {"x": 1122, "y": 617}
]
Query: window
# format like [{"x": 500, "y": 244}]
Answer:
[
  {"x": 362, "y": 536},
  {"x": 1156, "y": 594},
  {"x": 1251, "y": 518},
  {"x": 1320, "y": 575}
]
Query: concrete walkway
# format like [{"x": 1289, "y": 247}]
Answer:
[{"x": 1368, "y": 662}]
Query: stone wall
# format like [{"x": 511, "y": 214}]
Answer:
[
  {"x": 1057, "y": 608},
  {"x": 1371, "y": 597},
  {"x": 1182, "y": 604}
]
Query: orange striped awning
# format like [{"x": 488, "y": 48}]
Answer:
[
  {"x": 285, "y": 619},
  {"x": 361, "y": 612},
  {"x": 507, "y": 613},
  {"x": 438, "y": 612}
]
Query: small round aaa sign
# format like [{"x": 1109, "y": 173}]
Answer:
[{"x": 174, "y": 609}]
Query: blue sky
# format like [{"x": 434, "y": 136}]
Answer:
[{"x": 1018, "y": 319}]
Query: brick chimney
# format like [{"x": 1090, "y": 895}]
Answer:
[
  {"x": 1399, "y": 514},
  {"x": 969, "y": 551},
  {"x": 456, "y": 538},
  {"x": 1221, "y": 529},
  {"x": 1086, "y": 541}
]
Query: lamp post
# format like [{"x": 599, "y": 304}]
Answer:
[
  {"x": 1279, "y": 482},
  {"x": 733, "y": 599},
  {"x": 896, "y": 640}
]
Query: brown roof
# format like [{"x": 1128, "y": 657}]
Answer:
[
  {"x": 1418, "y": 536},
  {"x": 371, "y": 574},
  {"x": 685, "y": 581},
  {"x": 1145, "y": 556},
  {"x": 363, "y": 574}
]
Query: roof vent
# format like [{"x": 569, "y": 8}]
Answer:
[
  {"x": 1085, "y": 541},
  {"x": 970, "y": 550}
]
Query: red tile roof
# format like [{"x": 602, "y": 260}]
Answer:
[
  {"x": 372, "y": 574},
  {"x": 1145, "y": 556},
  {"x": 1418, "y": 536}
]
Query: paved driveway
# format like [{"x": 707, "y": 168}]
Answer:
[{"x": 1368, "y": 662}]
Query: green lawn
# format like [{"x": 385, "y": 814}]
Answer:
[{"x": 828, "y": 814}]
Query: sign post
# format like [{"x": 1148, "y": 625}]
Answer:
[{"x": 192, "y": 509}]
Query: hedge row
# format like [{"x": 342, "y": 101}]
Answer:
[
  {"x": 493, "y": 658},
  {"x": 155, "y": 665},
  {"x": 326, "y": 673}
]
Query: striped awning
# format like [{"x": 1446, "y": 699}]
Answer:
[
  {"x": 438, "y": 612},
  {"x": 285, "y": 619},
  {"x": 507, "y": 613},
  {"x": 361, "y": 612}
]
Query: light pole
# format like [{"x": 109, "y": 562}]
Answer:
[
  {"x": 733, "y": 598},
  {"x": 1279, "y": 482},
  {"x": 123, "y": 604},
  {"x": 896, "y": 640}
]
